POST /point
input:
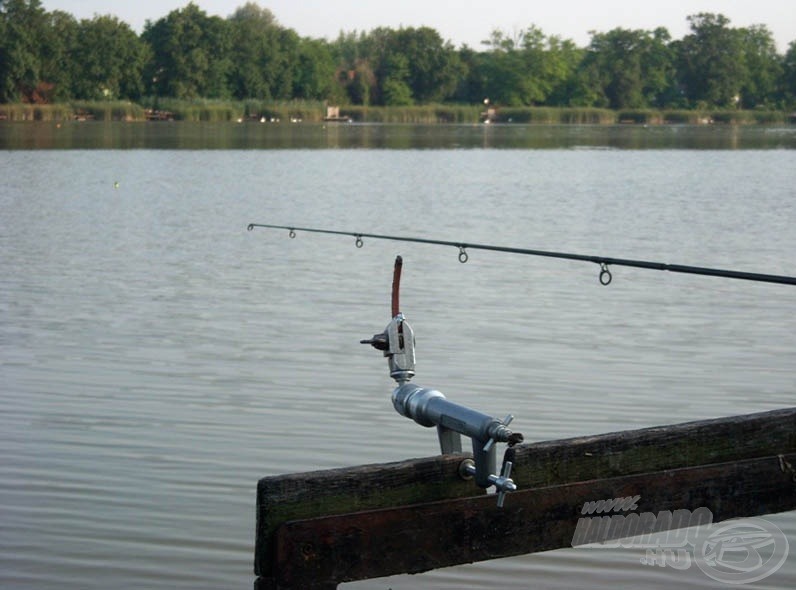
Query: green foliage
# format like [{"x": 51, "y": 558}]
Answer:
[
  {"x": 211, "y": 65},
  {"x": 397, "y": 67},
  {"x": 24, "y": 27},
  {"x": 360, "y": 83},
  {"x": 396, "y": 93},
  {"x": 725, "y": 67},
  {"x": 109, "y": 61},
  {"x": 525, "y": 69},
  {"x": 433, "y": 68},
  {"x": 789, "y": 75},
  {"x": 190, "y": 54},
  {"x": 60, "y": 68},
  {"x": 395, "y": 86},
  {"x": 763, "y": 67},
  {"x": 628, "y": 68},
  {"x": 264, "y": 56},
  {"x": 314, "y": 77},
  {"x": 712, "y": 64}
]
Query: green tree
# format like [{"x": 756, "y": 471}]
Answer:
[
  {"x": 410, "y": 64},
  {"x": 315, "y": 68},
  {"x": 502, "y": 71},
  {"x": 110, "y": 60},
  {"x": 190, "y": 54},
  {"x": 362, "y": 84},
  {"x": 355, "y": 57},
  {"x": 537, "y": 76},
  {"x": 526, "y": 68},
  {"x": 763, "y": 68},
  {"x": 433, "y": 67},
  {"x": 562, "y": 60},
  {"x": 59, "y": 68},
  {"x": 25, "y": 31},
  {"x": 661, "y": 87},
  {"x": 471, "y": 85},
  {"x": 395, "y": 87},
  {"x": 284, "y": 77},
  {"x": 789, "y": 75},
  {"x": 257, "y": 59},
  {"x": 712, "y": 64},
  {"x": 502, "y": 77},
  {"x": 629, "y": 68},
  {"x": 4, "y": 59}
]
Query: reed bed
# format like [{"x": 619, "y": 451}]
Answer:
[
  {"x": 419, "y": 114},
  {"x": 750, "y": 117},
  {"x": 587, "y": 116},
  {"x": 556, "y": 116},
  {"x": 306, "y": 111},
  {"x": 640, "y": 117},
  {"x": 209, "y": 111},
  {"x": 216, "y": 111},
  {"x": 86, "y": 110},
  {"x": 685, "y": 117},
  {"x": 33, "y": 112},
  {"x": 107, "y": 111}
]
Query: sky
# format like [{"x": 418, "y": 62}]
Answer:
[{"x": 465, "y": 21}]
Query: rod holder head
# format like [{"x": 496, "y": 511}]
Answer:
[{"x": 397, "y": 342}]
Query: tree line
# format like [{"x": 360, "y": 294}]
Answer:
[{"x": 188, "y": 54}]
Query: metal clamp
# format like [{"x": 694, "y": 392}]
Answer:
[{"x": 503, "y": 482}]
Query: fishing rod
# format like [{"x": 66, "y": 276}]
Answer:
[{"x": 603, "y": 261}]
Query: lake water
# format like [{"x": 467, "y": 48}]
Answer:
[{"x": 156, "y": 359}]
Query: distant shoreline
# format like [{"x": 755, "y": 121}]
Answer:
[{"x": 304, "y": 112}]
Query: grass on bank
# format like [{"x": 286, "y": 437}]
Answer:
[
  {"x": 315, "y": 111},
  {"x": 79, "y": 110}
]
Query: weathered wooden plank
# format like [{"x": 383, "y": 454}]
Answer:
[
  {"x": 650, "y": 449},
  {"x": 412, "y": 539},
  {"x": 340, "y": 491}
]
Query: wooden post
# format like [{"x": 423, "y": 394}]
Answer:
[{"x": 318, "y": 529}]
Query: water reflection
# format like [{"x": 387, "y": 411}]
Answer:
[{"x": 177, "y": 135}]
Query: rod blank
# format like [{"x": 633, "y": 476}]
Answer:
[{"x": 603, "y": 261}]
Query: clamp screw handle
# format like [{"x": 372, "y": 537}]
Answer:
[
  {"x": 504, "y": 483},
  {"x": 501, "y": 433}
]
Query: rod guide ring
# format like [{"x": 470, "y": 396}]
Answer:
[{"x": 605, "y": 275}]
